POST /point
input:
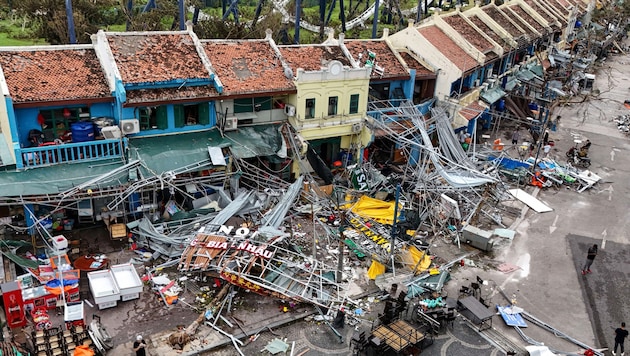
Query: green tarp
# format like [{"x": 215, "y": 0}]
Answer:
[{"x": 491, "y": 96}]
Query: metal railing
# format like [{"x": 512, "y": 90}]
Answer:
[{"x": 50, "y": 155}]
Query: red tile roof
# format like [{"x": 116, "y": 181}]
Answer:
[
  {"x": 448, "y": 47},
  {"x": 561, "y": 8},
  {"x": 499, "y": 17},
  {"x": 156, "y": 57},
  {"x": 247, "y": 66},
  {"x": 488, "y": 31},
  {"x": 312, "y": 57},
  {"x": 472, "y": 110},
  {"x": 421, "y": 70},
  {"x": 459, "y": 24},
  {"x": 544, "y": 12},
  {"x": 385, "y": 57},
  {"x": 163, "y": 95},
  {"x": 517, "y": 9},
  {"x": 53, "y": 75},
  {"x": 565, "y": 3}
]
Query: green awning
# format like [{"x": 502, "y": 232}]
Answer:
[
  {"x": 170, "y": 152},
  {"x": 537, "y": 69},
  {"x": 166, "y": 153},
  {"x": 20, "y": 261},
  {"x": 511, "y": 83},
  {"x": 253, "y": 141},
  {"x": 491, "y": 96},
  {"x": 57, "y": 179},
  {"x": 525, "y": 75}
]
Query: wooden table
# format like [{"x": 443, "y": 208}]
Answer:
[
  {"x": 392, "y": 339},
  {"x": 90, "y": 263},
  {"x": 407, "y": 331}
]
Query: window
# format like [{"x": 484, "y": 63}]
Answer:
[
  {"x": 354, "y": 103},
  {"x": 252, "y": 104},
  {"x": 332, "y": 105},
  {"x": 153, "y": 118},
  {"x": 310, "y": 108},
  {"x": 193, "y": 114},
  {"x": 56, "y": 123}
]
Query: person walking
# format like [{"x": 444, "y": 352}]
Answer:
[
  {"x": 620, "y": 334},
  {"x": 590, "y": 256},
  {"x": 139, "y": 346}
]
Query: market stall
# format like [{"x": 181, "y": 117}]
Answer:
[
  {"x": 104, "y": 289},
  {"x": 127, "y": 280}
]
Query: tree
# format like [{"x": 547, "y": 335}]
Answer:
[{"x": 50, "y": 21}]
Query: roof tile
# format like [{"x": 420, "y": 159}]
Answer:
[
  {"x": 448, "y": 47},
  {"x": 312, "y": 57},
  {"x": 187, "y": 93},
  {"x": 421, "y": 70},
  {"x": 488, "y": 31},
  {"x": 247, "y": 66},
  {"x": 542, "y": 11},
  {"x": 156, "y": 57},
  {"x": 53, "y": 75},
  {"x": 459, "y": 24},
  {"x": 472, "y": 110},
  {"x": 527, "y": 18},
  {"x": 385, "y": 57},
  {"x": 503, "y": 20}
]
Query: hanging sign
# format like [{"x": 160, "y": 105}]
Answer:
[{"x": 360, "y": 180}]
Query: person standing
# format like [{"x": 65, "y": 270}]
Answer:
[
  {"x": 620, "y": 334},
  {"x": 590, "y": 256},
  {"x": 515, "y": 136},
  {"x": 546, "y": 149},
  {"x": 139, "y": 346}
]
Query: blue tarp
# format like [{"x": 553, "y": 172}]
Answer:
[
  {"x": 55, "y": 283},
  {"x": 509, "y": 163}
]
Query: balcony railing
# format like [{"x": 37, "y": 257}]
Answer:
[{"x": 49, "y": 155}]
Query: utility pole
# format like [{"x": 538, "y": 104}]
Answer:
[
  {"x": 394, "y": 229},
  {"x": 70, "y": 17}
]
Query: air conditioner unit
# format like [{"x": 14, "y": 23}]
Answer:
[
  {"x": 111, "y": 132},
  {"x": 289, "y": 110},
  {"x": 491, "y": 83},
  {"x": 516, "y": 68},
  {"x": 356, "y": 128},
  {"x": 231, "y": 123},
  {"x": 130, "y": 126},
  {"x": 477, "y": 82}
]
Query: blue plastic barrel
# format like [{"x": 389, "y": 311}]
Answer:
[{"x": 82, "y": 131}]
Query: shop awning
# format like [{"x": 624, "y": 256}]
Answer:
[
  {"x": 171, "y": 152},
  {"x": 491, "y": 96},
  {"x": 57, "y": 179},
  {"x": 469, "y": 112},
  {"x": 253, "y": 141},
  {"x": 525, "y": 75},
  {"x": 511, "y": 83}
]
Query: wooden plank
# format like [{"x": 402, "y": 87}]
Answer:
[
  {"x": 392, "y": 339},
  {"x": 407, "y": 331}
]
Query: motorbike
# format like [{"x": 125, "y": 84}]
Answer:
[{"x": 575, "y": 159}]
